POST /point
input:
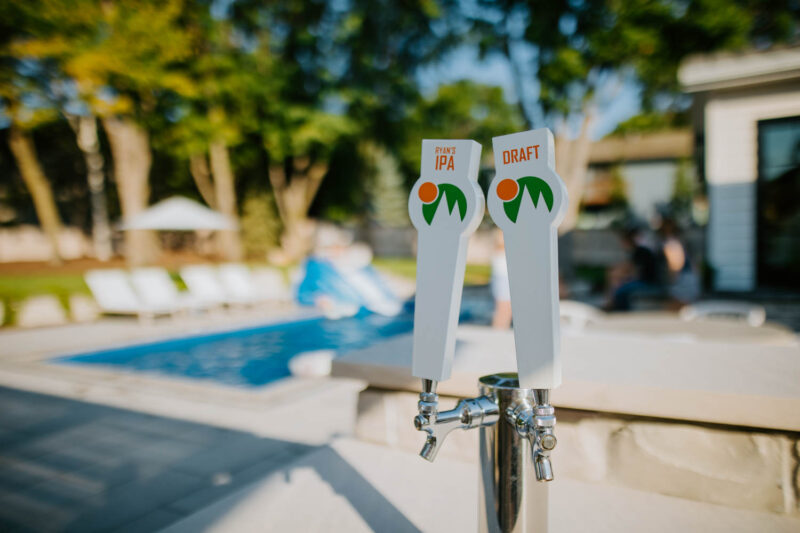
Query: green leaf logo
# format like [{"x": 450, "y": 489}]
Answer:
[
  {"x": 432, "y": 194},
  {"x": 512, "y": 192}
]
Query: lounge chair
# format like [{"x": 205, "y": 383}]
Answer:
[
  {"x": 113, "y": 292},
  {"x": 238, "y": 284},
  {"x": 155, "y": 288},
  {"x": 578, "y": 314},
  {"x": 754, "y": 314},
  {"x": 205, "y": 285},
  {"x": 271, "y": 284}
]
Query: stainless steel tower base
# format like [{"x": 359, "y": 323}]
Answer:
[{"x": 511, "y": 498}]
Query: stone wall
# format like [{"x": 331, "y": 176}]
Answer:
[
  {"x": 729, "y": 466},
  {"x": 29, "y": 243}
]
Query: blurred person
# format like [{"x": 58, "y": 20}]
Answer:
[
  {"x": 638, "y": 275},
  {"x": 501, "y": 292},
  {"x": 683, "y": 282}
]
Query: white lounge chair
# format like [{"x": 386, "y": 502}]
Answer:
[
  {"x": 271, "y": 284},
  {"x": 155, "y": 288},
  {"x": 754, "y": 314},
  {"x": 578, "y": 314},
  {"x": 113, "y": 292},
  {"x": 238, "y": 284},
  {"x": 205, "y": 286}
]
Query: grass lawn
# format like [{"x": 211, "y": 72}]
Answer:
[
  {"x": 407, "y": 267},
  {"x": 14, "y": 288}
]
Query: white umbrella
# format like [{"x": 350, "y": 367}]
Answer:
[{"x": 178, "y": 213}]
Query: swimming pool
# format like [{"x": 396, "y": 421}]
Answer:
[
  {"x": 249, "y": 357},
  {"x": 255, "y": 356}
]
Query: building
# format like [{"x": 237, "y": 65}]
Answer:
[
  {"x": 647, "y": 166},
  {"x": 747, "y": 123}
]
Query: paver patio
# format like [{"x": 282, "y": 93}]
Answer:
[{"x": 67, "y": 465}]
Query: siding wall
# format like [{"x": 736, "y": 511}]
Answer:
[{"x": 731, "y": 138}]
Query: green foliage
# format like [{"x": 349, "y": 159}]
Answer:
[
  {"x": 260, "y": 225},
  {"x": 576, "y": 47},
  {"x": 380, "y": 46},
  {"x": 407, "y": 268},
  {"x": 234, "y": 86},
  {"x": 297, "y": 84},
  {"x": 388, "y": 197},
  {"x": 462, "y": 110},
  {"x": 15, "y": 288},
  {"x": 124, "y": 56},
  {"x": 684, "y": 187},
  {"x": 305, "y": 131},
  {"x": 652, "y": 121},
  {"x": 619, "y": 189}
]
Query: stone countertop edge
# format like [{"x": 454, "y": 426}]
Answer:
[{"x": 756, "y": 411}]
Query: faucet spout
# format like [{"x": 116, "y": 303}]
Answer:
[
  {"x": 536, "y": 423},
  {"x": 467, "y": 414},
  {"x": 542, "y": 467}
]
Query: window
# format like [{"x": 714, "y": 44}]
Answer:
[{"x": 779, "y": 202}]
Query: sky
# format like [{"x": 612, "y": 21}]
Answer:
[{"x": 620, "y": 103}]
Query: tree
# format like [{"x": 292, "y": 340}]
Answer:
[
  {"x": 86, "y": 135},
  {"x": 298, "y": 127},
  {"x": 125, "y": 58},
  {"x": 379, "y": 46},
  {"x": 564, "y": 54},
  {"x": 461, "y": 110},
  {"x": 21, "y": 143},
  {"x": 24, "y": 108},
  {"x": 300, "y": 148},
  {"x": 388, "y": 194},
  {"x": 231, "y": 81}
]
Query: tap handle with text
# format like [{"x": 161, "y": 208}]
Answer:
[
  {"x": 528, "y": 200},
  {"x": 445, "y": 205}
]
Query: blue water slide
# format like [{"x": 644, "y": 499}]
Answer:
[{"x": 345, "y": 287}]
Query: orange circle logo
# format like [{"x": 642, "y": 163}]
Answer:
[
  {"x": 507, "y": 190},
  {"x": 428, "y": 192}
]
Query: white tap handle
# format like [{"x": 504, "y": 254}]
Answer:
[
  {"x": 528, "y": 200},
  {"x": 446, "y": 206}
]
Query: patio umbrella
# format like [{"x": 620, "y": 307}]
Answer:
[{"x": 178, "y": 213}]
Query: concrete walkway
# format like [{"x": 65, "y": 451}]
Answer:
[
  {"x": 72, "y": 466},
  {"x": 355, "y": 487}
]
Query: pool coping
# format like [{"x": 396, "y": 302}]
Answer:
[{"x": 267, "y": 410}]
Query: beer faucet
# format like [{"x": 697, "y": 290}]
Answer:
[
  {"x": 467, "y": 414},
  {"x": 536, "y": 422}
]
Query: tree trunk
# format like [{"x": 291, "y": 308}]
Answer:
[
  {"x": 198, "y": 167},
  {"x": 572, "y": 164},
  {"x": 24, "y": 151},
  {"x": 85, "y": 128},
  {"x": 294, "y": 197},
  {"x": 130, "y": 149},
  {"x": 229, "y": 246}
]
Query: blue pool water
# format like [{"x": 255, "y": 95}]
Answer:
[
  {"x": 256, "y": 356},
  {"x": 249, "y": 357}
]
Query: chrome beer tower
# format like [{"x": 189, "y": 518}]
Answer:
[
  {"x": 529, "y": 413},
  {"x": 527, "y": 200}
]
